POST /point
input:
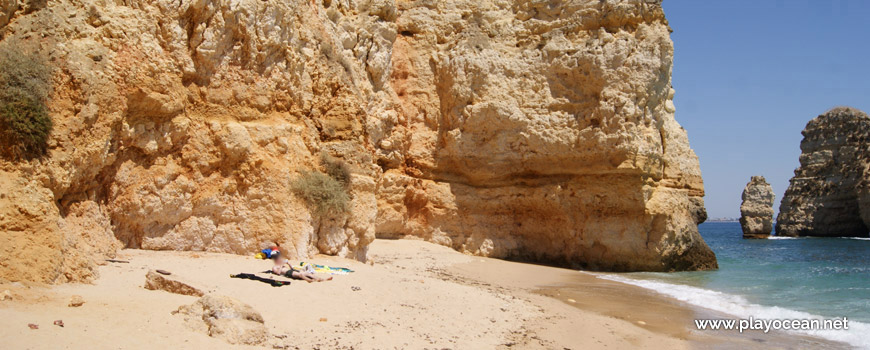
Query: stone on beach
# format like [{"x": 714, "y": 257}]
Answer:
[
  {"x": 76, "y": 301},
  {"x": 156, "y": 281},
  {"x": 225, "y": 318}
]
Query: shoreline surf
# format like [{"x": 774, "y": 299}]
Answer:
[{"x": 737, "y": 307}]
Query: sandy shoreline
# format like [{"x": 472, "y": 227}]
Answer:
[{"x": 414, "y": 295}]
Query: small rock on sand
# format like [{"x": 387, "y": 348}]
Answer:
[
  {"x": 76, "y": 301},
  {"x": 7, "y": 295},
  {"x": 156, "y": 281}
]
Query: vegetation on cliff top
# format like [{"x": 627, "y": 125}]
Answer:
[
  {"x": 327, "y": 191},
  {"x": 25, "y": 81}
]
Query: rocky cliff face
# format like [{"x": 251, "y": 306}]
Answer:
[
  {"x": 823, "y": 196},
  {"x": 512, "y": 129},
  {"x": 756, "y": 211},
  {"x": 550, "y": 136}
]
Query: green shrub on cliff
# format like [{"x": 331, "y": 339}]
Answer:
[
  {"x": 25, "y": 126},
  {"x": 328, "y": 192},
  {"x": 25, "y": 81}
]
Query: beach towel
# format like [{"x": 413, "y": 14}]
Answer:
[
  {"x": 308, "y": 267},
  {"x": 250, "y": 276}
]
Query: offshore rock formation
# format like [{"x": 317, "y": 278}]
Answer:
[
  {"x": 520, "y": 129},
  {"x": 825, "y": 196},
  {"x": 756, "y": 211}
]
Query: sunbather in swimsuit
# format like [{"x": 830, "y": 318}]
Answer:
[{"x": 282, "y": 267}]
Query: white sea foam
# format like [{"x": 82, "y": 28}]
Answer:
[
  {"x": 784, "y": 237},
  {"x": 738, "y": 306}
]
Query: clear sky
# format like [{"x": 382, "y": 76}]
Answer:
[{"x": 748, "y": 77}]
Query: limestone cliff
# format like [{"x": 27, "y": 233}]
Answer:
[
  {"x": 541, "y": 132},
  {"x": 756, "y": 211},
  {"x": 514, "y": 129},
  {"x": 822, "y": 198}
]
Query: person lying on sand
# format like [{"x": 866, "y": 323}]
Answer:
[{"x": 282, "y": 267}]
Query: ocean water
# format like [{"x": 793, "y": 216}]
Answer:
[{"x": 779, "y": 278}]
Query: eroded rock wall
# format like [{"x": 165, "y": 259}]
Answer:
[
  {"x": 516, "y": 129},
  {"x": 822, "y": 198},
  {"x": 181, "y": 125},
  {"x": 541, "y": 132}
]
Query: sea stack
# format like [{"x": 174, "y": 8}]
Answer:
[
  {"x": 756, "y": 212},
  {"x": 823, "y": 197}
]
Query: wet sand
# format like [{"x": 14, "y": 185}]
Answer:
[{"x": 640, "y": 307}]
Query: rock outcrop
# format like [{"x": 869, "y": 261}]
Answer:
[
  {"x": 756, "y": 211},
  {"x": 225, "y": 318},
  {"x": 156, "y": 281},
  {"x": 824, "y": 197},
  {"x": 527, "y": 130},
  {"x": 552, "y": 137}
]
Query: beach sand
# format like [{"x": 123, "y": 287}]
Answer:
[{"x": 411, "y": 295}]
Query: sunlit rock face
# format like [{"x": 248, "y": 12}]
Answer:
[
  {"x": 542, "y": 133},
  {"x": 828, "y": 194},
  {"x": 756, "y": 211},
  {"x": 511, "y": 129}
]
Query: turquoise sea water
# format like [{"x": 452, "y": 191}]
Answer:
[{"x": 777, "y": 278}]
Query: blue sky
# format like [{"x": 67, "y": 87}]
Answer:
[{"x": 748, "y": 77}]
